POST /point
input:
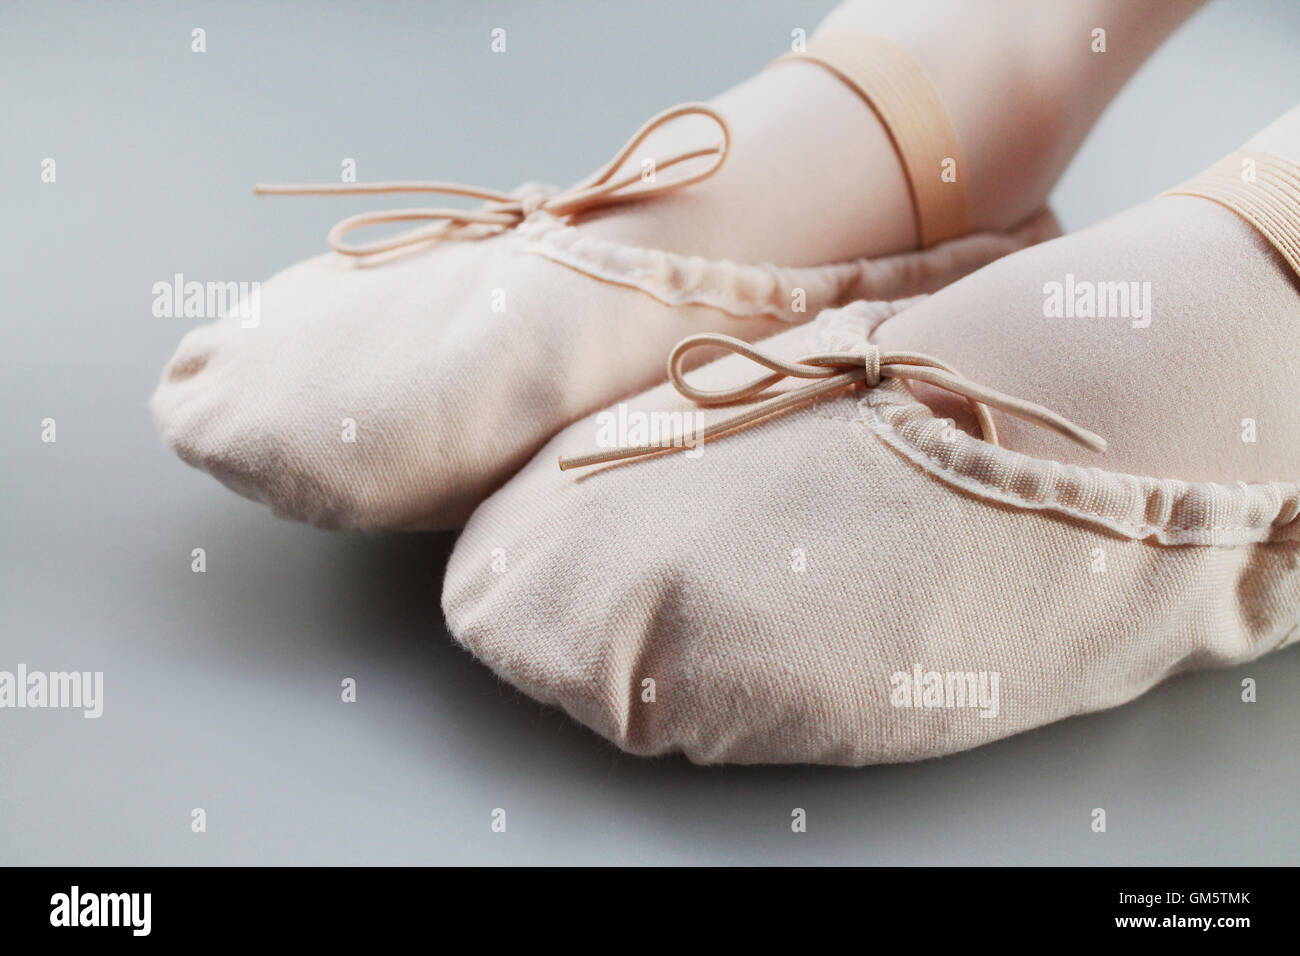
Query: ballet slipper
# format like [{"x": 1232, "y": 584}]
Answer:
[
  {"x": 817, "y": 567},
  {"x": 395, "y": 383}
]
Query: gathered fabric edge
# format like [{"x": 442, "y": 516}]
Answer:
[
  {"x": 788, "y": 294},
  {"x": 1167, "y": 511}
]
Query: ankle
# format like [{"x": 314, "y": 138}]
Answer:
[{"x": 812, "y": 178}]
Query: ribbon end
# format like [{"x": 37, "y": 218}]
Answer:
[{"x": 1089, "y": 440}]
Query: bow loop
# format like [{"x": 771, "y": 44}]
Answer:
[
  {"x": 606, "y": 187},
  {"x": 813, "y": 366}
]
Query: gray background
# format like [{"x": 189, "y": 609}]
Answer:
[{"x": 223, "y": 688}]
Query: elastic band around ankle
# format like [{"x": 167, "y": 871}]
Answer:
[
  {"x": 1261, "y": 188},
  {"x": 902, "y": 96}
]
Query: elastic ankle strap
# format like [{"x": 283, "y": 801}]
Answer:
[
  {"x": 1261, "y": 188},
  {"x": 895, "y": 87}
]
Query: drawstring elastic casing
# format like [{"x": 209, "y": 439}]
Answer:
[
  {"x": 833, "y": 371},
  {"x": 602, "y": 188}
]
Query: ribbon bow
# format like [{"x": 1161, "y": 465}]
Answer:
[
  {"x": 603, "y": 188},
  {"x": 833, "y": 371}
]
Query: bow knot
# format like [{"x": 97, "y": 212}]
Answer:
[
  {"x": 870, "y": 363},
  {"x": 606, "y": 187},
  {"x": 532, "y": 201},
  {"x": 831, "y": 372}
]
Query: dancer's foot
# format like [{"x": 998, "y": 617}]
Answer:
[
  {"x": 398, "y": 391},
  {"x": 1165, "y": 328},
  {"x": 856, "y": 581}
]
